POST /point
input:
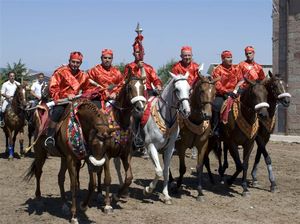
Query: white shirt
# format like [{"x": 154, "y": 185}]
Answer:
[
  {"x": 9, "y": 88},
  {"x": 37, "y": 88}
]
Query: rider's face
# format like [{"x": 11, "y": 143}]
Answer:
[
  {"x": 186, "y": 57},
  {"x": 249, "y": 55},
  {"x": 106, "y": 60},
  {"x": 11, "y": 77},
  {"x": 227, "y": 61},
  {"x": 74, "y": 64},
  {"x": 41, "y": 78}
]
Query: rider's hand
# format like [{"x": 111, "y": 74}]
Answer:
[
  {"x": 232, "y": 95},
  {"x": 71, "y": 96}
]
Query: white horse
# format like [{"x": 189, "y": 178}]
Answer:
[{"x": 162, "y": 129}]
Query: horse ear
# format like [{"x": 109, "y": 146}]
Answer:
[
  {"x": 270, "y": 74},
  {"x": 216, "y": 79},
  {"x": 186, "y": 75},
  {"x": 172, "y": 74}
]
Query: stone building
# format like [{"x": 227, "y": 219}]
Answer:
[{"x": 286, "y": 60}]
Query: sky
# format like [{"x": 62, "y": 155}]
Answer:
[{"x": 42, "y": 33}]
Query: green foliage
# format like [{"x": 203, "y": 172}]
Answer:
[
  {"x": 121, "y": 67},
  {"x": 163, "y": 72},
  {"x": 18, "y": 68}
]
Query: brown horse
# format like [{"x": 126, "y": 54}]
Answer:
[
  {"x": 129, "y": 102},
  {"x": 14, "y": 119},
  {"x": 195, "y": 130},
  {"x": 94, "y": 128},
  {"x": 242, "y": 129},
  {"x": 276, "y": 93}
]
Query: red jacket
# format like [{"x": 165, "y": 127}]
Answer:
[
  {"x": 63, "y": 83},
  {"x": 151, "y": 76},
  {"x": 192, "y": 68},
  {"x": 105, "y": 78},
  {"x": 252, "y": 71},
  {"x": 229, "y": 78}
]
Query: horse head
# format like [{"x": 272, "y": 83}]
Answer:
[
  {"x": 45, "y": 92},
  {"x": 19, "y": 98},
  {"x": 277, "y": 87},
  {"x": 181, "y": 89},
  {"x": 135, "y": 92},
  {"x": 255, "y": 97},
  {"x": 202, "y": 97}
]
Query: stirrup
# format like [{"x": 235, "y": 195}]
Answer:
[{"x": 50, "y": 142}]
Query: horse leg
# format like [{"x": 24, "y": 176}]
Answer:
[
  {"x": 99, "y": 186},
  {"x": 260, "y": 146},
  {"x": 201, "y": 155},
  {"x": 247, "y": 151},
  {"x": 10, "y": 146},
  {"x": 158, "y": 170},
  {"x": 207, "y": 166},
  {"x": 61, "y": 181},
  {"x": 117, "y": 162},
  {"x": 225, "y": 163},
  {"x": 167, "y": 159},
  {"x": 182, "y": 166},
  {"x": 107, "y": 182},
  {"x": 71, "y": 165},
  {"x": 233, "y": 150},
  {"x": 92, "y": 187},
  {"x": 21, "y": 142},
  {"x": 126, "y": 160}
]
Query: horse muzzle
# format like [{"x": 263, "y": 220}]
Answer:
[{"x": 284, "y": 99}]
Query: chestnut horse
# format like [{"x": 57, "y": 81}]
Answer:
[
  {"x": 14, "y": 119},
  {"x": 276, "y": 93},
  {"x": 195, "y": 130},
  {"x": 129, "y": 102},
  {"x": 94, "y": 128}
]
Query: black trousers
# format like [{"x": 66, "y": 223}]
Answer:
[{"x": 57, "y": 112}]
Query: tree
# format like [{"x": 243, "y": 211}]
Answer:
[
  {"x": 121, "y": 67},
  {"x": 163, "y": 72},
  {"x": 18, "y": 68}
]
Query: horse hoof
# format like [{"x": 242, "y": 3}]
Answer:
[
  {"x": 168, "y": 201},
  {"x": 10, "y": 158},
  {"x": 146, "y": 192},
  {"x": 200, "y": 198},
  {"x": 108, "y": 209},
  {"x": 100, "y": 198},
  {"x": 82, "y": 207},
  {"x": 246, "y": 194},
  {"x": 74, "y": 221},
  {"x": 274, "y": 189},
  {"x": 255, "y": 183},
  {"x": 65, "y": 209}
]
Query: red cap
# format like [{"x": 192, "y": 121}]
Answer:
[
  {"x": 249, "y": 49},
  {"x": 76, "y": 55},
  {"x": 107, "y": 51},
  {"x": 226, "y": 54},
  {"x": 186, "y": 48}
]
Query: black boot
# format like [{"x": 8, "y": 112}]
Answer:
[
  {"x": 216, "y": 125},
  {"x": 1, "y": 120},
  {"x": 50, "y": 141}
]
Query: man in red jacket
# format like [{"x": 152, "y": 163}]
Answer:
[
  {"x": 228, "y": 76},
  {"x": 106, "y": 76},
  {"x": 66, "y": 82},
  {"x": 139, "y": 68},
  {"x": 186, "y": 65}
]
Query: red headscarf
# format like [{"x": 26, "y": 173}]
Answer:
[
  {"x": 76, "y": 55},
  {"x": 226, "y": 54},
  {"x": 186, "y": 48},
  {"x": 107, "y": 51},
  {"x": 249, "y": 49}
]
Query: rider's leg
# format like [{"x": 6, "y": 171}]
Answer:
[{"x": 217, "y": 105}]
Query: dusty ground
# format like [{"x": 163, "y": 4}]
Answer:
[{"x": 222, "y": 204}]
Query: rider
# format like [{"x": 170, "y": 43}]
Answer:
[
  {"x": 186, "y": 64},
  {"x": 106, "y": 76},
  {"x": 249, "y": 68},
  {"x": 36, "y": 89},
  {"x": 138, "y": 68},
  {"x": 7, "y": 91},
  {"x": 66, "y": 82},
  {"x": 228, "y": 76}
]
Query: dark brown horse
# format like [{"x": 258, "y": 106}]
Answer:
[
  {"x": 242, "y": 129},
  {"x": 14, "y": 119},
  {"x": 276, "y": 93},
  {"x": 94, "y": 128},
  {"x": 195, "y": 130},
  {"x": 129, "y": 102}
]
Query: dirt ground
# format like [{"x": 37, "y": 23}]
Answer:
[{"x": 222, "y": 204}]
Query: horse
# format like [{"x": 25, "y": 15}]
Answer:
[
  {"x": 276, "y": 93},
  {"x": 94, "y": 128},
  {"x": 162, "y": 129},
  {"x": 14, "y": 119},
  {"x": 242, "y": 126},
  {"x": 129, "y": 102},
  {"x": 196, "y": 130}
]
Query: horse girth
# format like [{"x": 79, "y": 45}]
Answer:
[{"x": 194, "y": 128}]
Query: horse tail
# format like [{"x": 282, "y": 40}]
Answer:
[
  {"x": 215, "y": 145},
  {"x": 30, "y": 172}
]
